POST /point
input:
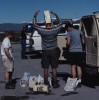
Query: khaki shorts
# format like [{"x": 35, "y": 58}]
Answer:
[{"x": 9, "y": 65}]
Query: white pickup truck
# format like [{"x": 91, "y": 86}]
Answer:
[
  {"x": 36, "y": 46},
  {"x": 33, "y": 42}
]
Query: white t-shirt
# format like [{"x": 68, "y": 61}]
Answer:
[{"x": 6, "y": 44}]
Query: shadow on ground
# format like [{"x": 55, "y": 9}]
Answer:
[
  {"x": 14, "y": 97},
  {"x": 91, "y": 80},
  {"x": 70, "y": 93},
  {"x": 39, "y": 93},
  {"x": 33, "y": 55}
]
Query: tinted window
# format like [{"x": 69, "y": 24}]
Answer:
[{"x": 90, "y": 26}]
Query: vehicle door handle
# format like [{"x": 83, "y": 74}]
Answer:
[{"x": 95, "y": 44}]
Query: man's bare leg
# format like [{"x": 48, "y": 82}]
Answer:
[
  {"x": 8, "y": 79},
  {"x": 79, "y": 71},
  {"x": 46, "y": 75},
  {"x": 54, "y": 73},
  {"x": 54, "y": 79},
  {"x": 73, "y": 69},
  {"x": 6, "y": 76}
]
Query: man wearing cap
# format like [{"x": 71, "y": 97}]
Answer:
[
  {"x": 49, "y": 46},
  {"x": 23, "y": 42}
]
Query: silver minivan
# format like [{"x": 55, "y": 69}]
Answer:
[{"x": 90, "y": 27}]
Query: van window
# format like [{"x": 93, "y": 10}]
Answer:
[
  {"x": 90, "y": 26},
  {"x": 98, "y": 23}
]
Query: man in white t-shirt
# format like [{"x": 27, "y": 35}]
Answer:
[{"x": 7, "y": 57}]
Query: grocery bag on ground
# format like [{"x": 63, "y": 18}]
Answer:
[
  {"x": 50, "y": 81},
  {"x": 71, "y": 84},
  {"x": 25, "y": 79},
  {"x": 32, "y": 81},
  {"x": 35, "y": 80},
  {"x": 40, "y": 79}
]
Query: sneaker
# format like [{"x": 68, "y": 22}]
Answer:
[
  {"x": 10, "y": 86},
  {"x": 55, "y": 85},
  {"x": 46, "y": 82},
  {"x": 79, "y": 81},
  {"x": 79, "y": 85}
]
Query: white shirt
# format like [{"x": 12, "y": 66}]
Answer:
[{"x": 6, "y": 44}]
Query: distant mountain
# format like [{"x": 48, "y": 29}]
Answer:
[
  {"x": 11, "y": 26},
  {"x": 18, "y": 26},
  {"x": 76, "y": 21}
]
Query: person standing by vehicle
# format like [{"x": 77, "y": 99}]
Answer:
[
  {"x": 50, "y": 48},
  {"x": 75, "y": 39},
  {"x": 23, "y": 43},
  {"x": 30, "y": 32},
  {"x": 7, "y": 58}
]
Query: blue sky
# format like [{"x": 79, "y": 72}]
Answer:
[{"x": 22, "y": 10}]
